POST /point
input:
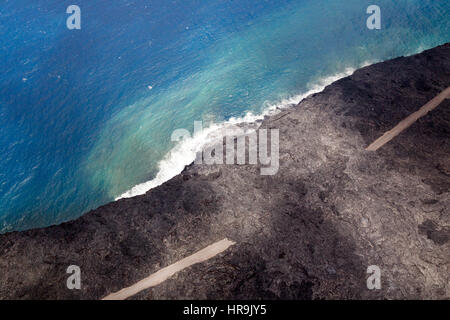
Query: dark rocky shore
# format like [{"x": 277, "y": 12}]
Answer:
[{"x": 308, "y": 232}]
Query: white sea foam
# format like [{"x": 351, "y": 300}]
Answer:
[{"x": 184, "y": 152}]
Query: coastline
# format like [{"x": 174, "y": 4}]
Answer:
[
  {"x": 188, "y": 149},
  {"x": 309, "y": 232}
]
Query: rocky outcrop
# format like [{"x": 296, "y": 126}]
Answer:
[{"x": 308, "y": 232}]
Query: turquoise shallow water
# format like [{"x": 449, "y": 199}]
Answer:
[{"x": 79, "y": 125}]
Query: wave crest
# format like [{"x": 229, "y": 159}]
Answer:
[{"x": 184, "y": 152}]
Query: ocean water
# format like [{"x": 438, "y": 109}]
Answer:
[{"x": 80, "y": 126}]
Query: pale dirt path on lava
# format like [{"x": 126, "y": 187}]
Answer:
[
  {"x": 164, "y": 274},
  {"x": 407, "y": 122}
]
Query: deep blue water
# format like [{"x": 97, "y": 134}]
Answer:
[{"x": 79, "y": 125}]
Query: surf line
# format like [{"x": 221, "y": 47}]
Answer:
[{"x": 165, "y": 273}]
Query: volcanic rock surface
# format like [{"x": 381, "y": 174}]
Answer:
[{"x": 308, "y": 232}]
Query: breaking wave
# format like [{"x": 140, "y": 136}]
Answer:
[{"x": 184, "y": 152}]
